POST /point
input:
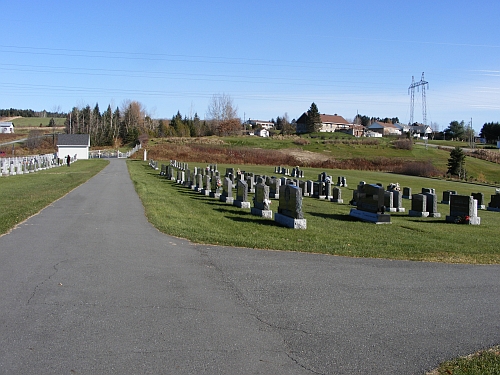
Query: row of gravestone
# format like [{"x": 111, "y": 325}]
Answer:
[
  {"x": 208, "y": 181},
  {"x": 372, "y": 202},
  {"x": 28, "y": 164}
]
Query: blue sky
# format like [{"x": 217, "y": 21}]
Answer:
[{"x": 271, "y": 57}]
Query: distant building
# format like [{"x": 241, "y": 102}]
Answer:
[
  {"x": 329, "y": 123},
  {"x": 384, "y": 128},
  {"x": 73, "y": 144},
  {"x": 418, "y": 130},
  {"x": 6, "y": 127},
  {"x": 261, "y": 124},
  {"x": 262, "y": 133}
]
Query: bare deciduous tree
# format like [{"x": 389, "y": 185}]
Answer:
[{"x": 223, "y": 114}]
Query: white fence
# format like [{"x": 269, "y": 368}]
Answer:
[
  {"x": 98, "y": 154},
  {"x": 28, "y": 164}
]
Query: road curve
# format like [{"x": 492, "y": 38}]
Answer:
[{"x": 88, "y": 286}]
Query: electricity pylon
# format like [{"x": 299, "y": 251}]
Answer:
[{"x": 411, "y": 91}]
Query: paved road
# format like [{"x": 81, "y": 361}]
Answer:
[{"x": 88, "y": 286}]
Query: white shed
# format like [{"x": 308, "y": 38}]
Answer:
[
  {"x": 6, "y": 127},
  {"x": 73, "y": 144}
]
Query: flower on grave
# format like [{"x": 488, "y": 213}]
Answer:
[{"x": 462, "y": 219}]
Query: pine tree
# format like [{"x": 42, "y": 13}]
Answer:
[
  {"x": 313, "y": 119},
  {"x": 456, "y": 163}
]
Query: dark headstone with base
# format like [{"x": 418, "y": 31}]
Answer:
[
  {"x": 370, "y": 205},
  {"x": 494, "y": 204},
  {"x": 290, "y": 212},
  {"x": 463, "y": 210}
]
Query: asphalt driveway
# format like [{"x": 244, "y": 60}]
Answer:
[{"x": 88, "y": 286}]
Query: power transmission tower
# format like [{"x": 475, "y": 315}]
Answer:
[{"x": 411, "y": 91}]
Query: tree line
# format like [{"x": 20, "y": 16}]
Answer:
[{"x": 12, "y": 112}]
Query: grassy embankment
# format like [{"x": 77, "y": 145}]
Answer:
[
  {"x": 342, "y": 152},
  {"x": 178, "y": 211},
  {"x": 24, "y": 195}
]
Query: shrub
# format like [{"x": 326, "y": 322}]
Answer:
[
  {"x": 419, "y": 168},
  {"x": 403, "y": 144},
  {"x": 301, "y": 141}
]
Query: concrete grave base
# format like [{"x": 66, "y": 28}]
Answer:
[
  {"x": 229, "y": 200},
  {"x": 418, "y": 213},
  {"x": 205, "y": 192},
  {"x": 481, "y": 207},
  {"x": 434, "y": 214},
  {"x": 370, "y": 217},
  {"x": 214, "y": 195},
  {"x": 472, "y": 220},
  {"x": 290, "y": 222},
  {"x": 493, "y": 209},
  {"x": 263, "y": 213},
  {"x": 337, "y": 200},
  {"x": 397, "y": 209},
  {"x": 241, "y": 204}
]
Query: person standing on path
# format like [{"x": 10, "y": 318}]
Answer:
[{"x": 68, "y": 160}]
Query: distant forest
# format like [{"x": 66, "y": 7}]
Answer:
[{"x": 30, "y": 113}]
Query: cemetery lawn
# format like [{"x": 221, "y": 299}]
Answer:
[
  {"x": 25, "y": 195},
  {"x": 179, "y": 211},
  {"x": 480, "y": 363}
]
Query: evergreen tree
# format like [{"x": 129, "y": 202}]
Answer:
[
  {"x": 456, "y": 163},
  {"x": 161, "y": 129},
  {"x": 456, "y": 130},
  {"x": 313, "y": 119}
]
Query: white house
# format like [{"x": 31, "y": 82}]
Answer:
[
  {"x": 73, "y": 144},
  {"x": 262, "y": 133},
  {"x": 6, "y": 127},
  {"x": 261, "y": 124},
  {"x": 384, "y": 128}
]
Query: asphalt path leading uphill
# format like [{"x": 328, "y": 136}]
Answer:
[{"x": 88, "y": 286}]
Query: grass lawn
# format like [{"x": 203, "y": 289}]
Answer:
[
  {"x": 485, "y": 362},
  {"x": 33, "y": 122},
  {"x": 179, "y": 211},
  {"x": 24, "y": 195}
]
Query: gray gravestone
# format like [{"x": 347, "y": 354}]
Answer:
[
  {"x": 207, "y": 185},
  {"x": 290, "y": 208},
  {"x": 227, "y": 191},
  {"x": 261, "y": 201},
  {"x": 431, "y": 205},
  {"x": 418, "y": 206},
  {"x": 337, "y": 195},
  {"x": 241, "y": 200},
  {"x": 216, "y": 187}
]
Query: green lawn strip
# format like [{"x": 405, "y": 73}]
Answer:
[
  {"x": 24, "y": 195},
  {"x": 484, "y": 362},
  {"x": 179, "y": 211},
  {"x": 34, "y": 122}
]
